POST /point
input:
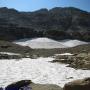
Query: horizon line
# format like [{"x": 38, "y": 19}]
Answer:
[{"x": 44, "y": 8}]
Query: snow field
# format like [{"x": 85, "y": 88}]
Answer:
[
  {"x": 47, "y": 43},
  {"x": 39, "y": 70}
]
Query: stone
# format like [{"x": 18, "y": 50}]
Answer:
[
  {"x": 1, "y": 88},
  {"x": 81, "y": 84},
  {"x": 20, "y": 85}
]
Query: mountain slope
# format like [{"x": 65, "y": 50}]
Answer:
[
  {"x": 57, "y": 23},
  {"x": 7, "y": 47}
]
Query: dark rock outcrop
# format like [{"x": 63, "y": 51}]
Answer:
[
  {"x": 20, "y": 85},
  {"x": 28, "y": 85},
  {"x": 83, "y": 84},
  {"x": 1, "y": 88},
  {"x": 57, "y": 23}
]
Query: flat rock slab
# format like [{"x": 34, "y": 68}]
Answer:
[{"x": 45, "y": 87}]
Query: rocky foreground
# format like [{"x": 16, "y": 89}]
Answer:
[
  {"x": 81, "y": 84},
  {"x": 78, "y": 60},
  {"x": 28, "y": 85}
]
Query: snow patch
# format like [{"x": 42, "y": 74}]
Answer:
[
  {"x": 41, "y": 43},
  {"x": 69, "y": 54},
  {"x": 39, "y": 71},
  {"x": 73, "y": 43},
  {"x": 48, "y": 43},
  {"x": 9, "y": 53}
]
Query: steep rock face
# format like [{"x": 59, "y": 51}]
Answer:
[
  {"x": 57, "y": 23},
  {"x": 83, "y": 84}
]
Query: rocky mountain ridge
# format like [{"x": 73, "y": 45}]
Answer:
[{"x": 57, "y": 23}]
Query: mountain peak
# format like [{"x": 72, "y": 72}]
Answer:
[{"x": 8, "y": 9}]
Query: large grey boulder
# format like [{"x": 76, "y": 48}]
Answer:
[
  {"x": 45, "y": 87},
  {"x": 82, "y": 84}
]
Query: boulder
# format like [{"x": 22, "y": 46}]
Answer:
[
  {"x": 28, "y": 85},
  {"x": 20, "y": 85},
  {"x": 1, "y": 88},
  {"x": 81, "y": 84},
  {"x": 45, "y": 87}
]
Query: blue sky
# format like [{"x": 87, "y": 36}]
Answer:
[{"x": 32, "y": 5}]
